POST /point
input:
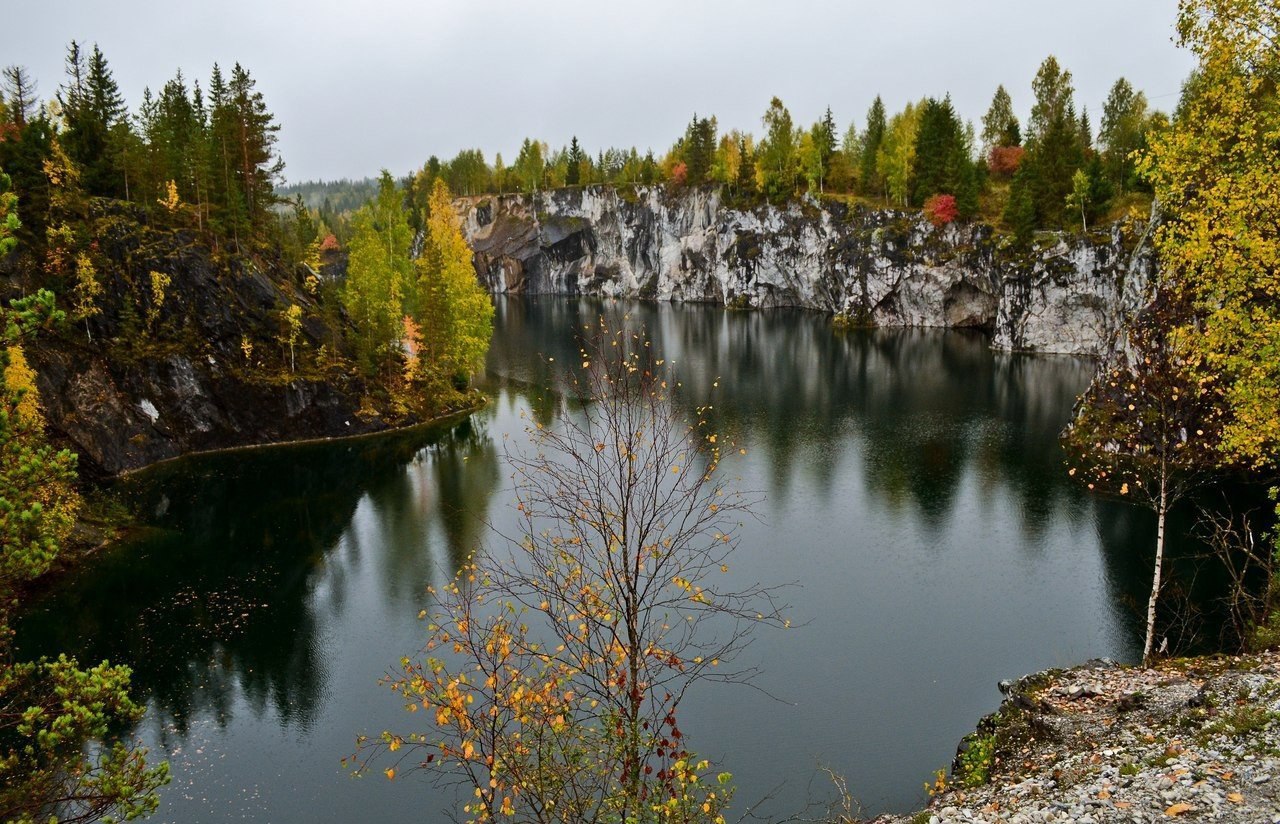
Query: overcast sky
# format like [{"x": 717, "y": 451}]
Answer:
[{"x": 358, "y": 86}]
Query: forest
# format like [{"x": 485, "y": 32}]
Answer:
[
  {"x": 1051, "y": 172},
  {"x": 369, "y": 285}
]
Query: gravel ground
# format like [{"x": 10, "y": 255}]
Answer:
[{"x": 1188, "y": 740}]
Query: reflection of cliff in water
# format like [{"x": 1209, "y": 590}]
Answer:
[
  {"x": 219, "y": 596},
  {"x": 926, "y": 407}
]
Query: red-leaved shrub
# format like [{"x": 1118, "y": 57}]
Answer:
[{"x": 941, "y": 209}]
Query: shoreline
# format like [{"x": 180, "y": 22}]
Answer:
[
  {"x": 1193, "y": 739},
  {"x": 439, "y": 420}
]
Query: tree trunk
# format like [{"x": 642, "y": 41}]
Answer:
[{"x": 1161, "y": 510}]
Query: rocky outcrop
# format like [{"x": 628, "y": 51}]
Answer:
[
  {"x": 1065, "y": 294},
  {"x": 1190, "y": 739},
  {"x": 199, "y": 365}
]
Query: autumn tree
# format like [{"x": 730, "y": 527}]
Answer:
[
  {"x": 1079, "y": 199},
  {"x": 941, "y": 209},
  {"x": 529, "y": 167},
  {"x": 1147, "y": 430},
  {"x": 52, "y": 711},
  {"x": 817, "y": 149},
  {"x": 1214, "y": 173},
  {"x": 555, "y": 667},
  {"x": 776, "y": 156},
  {"x": 896, "y": 157},
  {"x": 455, "y": 314},
  {"x": 379, "y": 275}
]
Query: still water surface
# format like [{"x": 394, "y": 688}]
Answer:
[{"x": 913, "y": 490}]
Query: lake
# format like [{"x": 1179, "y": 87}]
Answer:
[{"x": 913, "y": 490}]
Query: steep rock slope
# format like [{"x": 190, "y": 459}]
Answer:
[
  {"x": 198, "y": 364},
  {"x": 1066, "y": 294}
]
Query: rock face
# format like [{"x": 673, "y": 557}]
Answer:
[
  {"x": 210, "y": 372},
  {"x": 1066, "y": 294}
]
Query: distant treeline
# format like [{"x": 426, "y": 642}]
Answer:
[{"x": 1049, "y": 173}]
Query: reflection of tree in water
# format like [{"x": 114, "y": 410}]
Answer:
[
  {"x": 220, "y": 596},
  {"x": 927, "y": 407},
  {"x": 450, "y": 487}
]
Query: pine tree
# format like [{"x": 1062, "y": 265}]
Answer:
[
  {"x": 1086, "y": 130},
  {"x": 54, "y": 711},
  {"x": 257, "y": 165},
  {"x": 19, "y": 95},
  {"x": 746, "y": 181},
  {"x": 93, "y": 109}
]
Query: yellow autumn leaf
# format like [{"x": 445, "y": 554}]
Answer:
[{"x": 1178, "y": 809}]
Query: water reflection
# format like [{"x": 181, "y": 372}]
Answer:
[
  {"x": 922, "y": 406},
  {"x": 215, "y": 603},
  {"x": 913, "y": 487}
]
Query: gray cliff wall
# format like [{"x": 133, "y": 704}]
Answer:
[{"x": 1067, "y": 294}]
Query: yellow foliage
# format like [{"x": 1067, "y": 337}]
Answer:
[
  {"x": 170, "y": 201},
  {"x": 20, "y": 377},
  {"x": 1214, "y": 171},
  {"x": 159, "y": 283}
]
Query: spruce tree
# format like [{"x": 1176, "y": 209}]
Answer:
[
  {"x": 573, "y": 174},
  {"x": 941, "y": 156},
  {"x": 872, "y": 179},
  {"x": 93, "y": 111},
  {"x": 1055, "y": 148}
]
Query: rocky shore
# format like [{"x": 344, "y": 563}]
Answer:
[{"x": 1187, "y": 740}]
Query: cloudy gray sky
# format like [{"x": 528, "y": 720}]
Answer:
[{"x": 357, "y": 86}]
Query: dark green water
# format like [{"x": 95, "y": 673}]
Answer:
[{"x": 913, "y": 489}]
